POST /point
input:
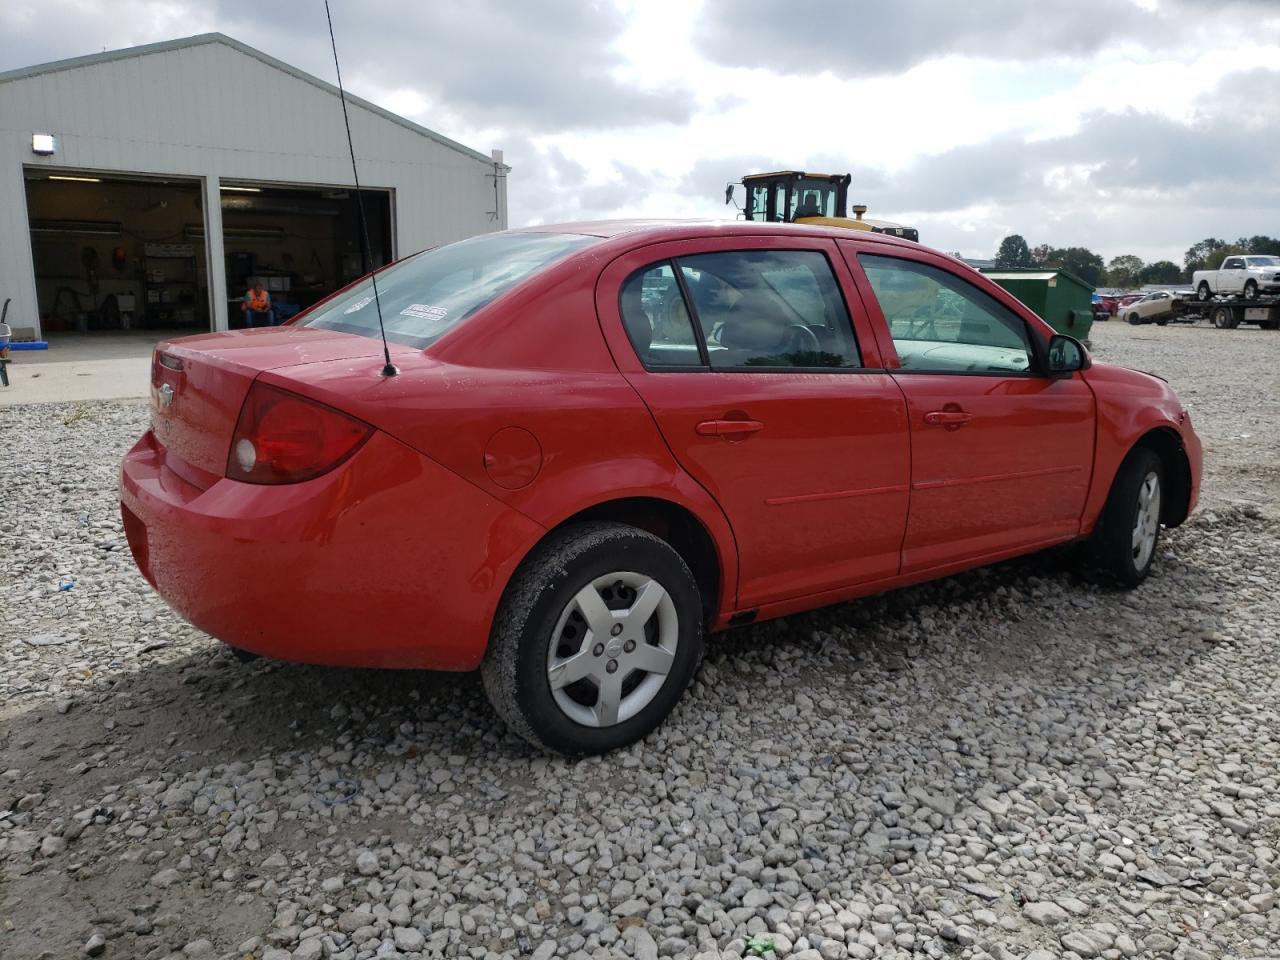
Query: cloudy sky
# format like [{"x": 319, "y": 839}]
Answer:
[{"x": 1128, "y": 126}]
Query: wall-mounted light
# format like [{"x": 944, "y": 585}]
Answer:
[
  {"x": 54, "y": 176},
  {"x": 44, "y": 144},
  {"x": 241, "y": 189}
]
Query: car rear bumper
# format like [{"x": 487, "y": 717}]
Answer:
[{"x": 390, "y": 560}]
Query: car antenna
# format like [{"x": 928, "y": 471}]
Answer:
[{"x": 389, "y": 370}]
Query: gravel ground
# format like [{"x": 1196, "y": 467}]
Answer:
[{"x": 1018, "y": 762}]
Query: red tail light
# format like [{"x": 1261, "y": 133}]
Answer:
[{"x": 284, "y": 438}]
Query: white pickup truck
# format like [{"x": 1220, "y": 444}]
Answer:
[{"x": 1247, "y": 275}]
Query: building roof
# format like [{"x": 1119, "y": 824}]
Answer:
[{"x": 164, "y": 46}]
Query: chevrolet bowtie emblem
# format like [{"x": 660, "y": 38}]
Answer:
[{"x": 166, "y": 396}]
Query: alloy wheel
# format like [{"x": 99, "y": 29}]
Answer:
[
  {"x": 1146, "y": 523},
  {"x": 612, "y": 648}
]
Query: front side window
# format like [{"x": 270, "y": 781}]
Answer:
[
  {"x": 759, "y": 201},
  {"x": 1233, "y": 263},
  {"x": 769, "y": 308},
  {"x": 943, "y": 324},
  {"x": 426, "y": 295},
  {"x": 780, "y": 202}
]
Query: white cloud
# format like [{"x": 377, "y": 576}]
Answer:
[{"x": 1031, "y": 124}]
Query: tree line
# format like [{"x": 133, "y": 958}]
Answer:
[{"x": 1127, "y": 271}]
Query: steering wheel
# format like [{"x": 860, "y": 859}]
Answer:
[{"x": 802, "y": 338}]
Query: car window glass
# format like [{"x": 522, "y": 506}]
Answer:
[
  {"x": 770, "y": 308},
  {"x": 656, "y": 320},
  {"x": 759, "y": 201},
  {"x": 423, "y": 296},
  {"x": 1233, "y": 264},
  {"x": 941, "y": 323}
]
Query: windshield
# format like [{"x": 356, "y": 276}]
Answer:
[
  {"x": 431, "y": 292},
  {"x": 813, "y": 198},
  {"x": 1263, "y": 261}
]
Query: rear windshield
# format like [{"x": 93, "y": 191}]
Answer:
[{"x": 428, "y": 294}]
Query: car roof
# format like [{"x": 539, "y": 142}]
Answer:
[{"x": 657, "y": 230}]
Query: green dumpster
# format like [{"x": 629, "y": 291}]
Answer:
[{"x": 1061, "y": 299}]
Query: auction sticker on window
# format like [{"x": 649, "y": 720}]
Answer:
[
  {"x": 358, "y": 305},
  {"x": 424, "y": 311}
]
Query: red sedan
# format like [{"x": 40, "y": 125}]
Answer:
[{"x": 604, "y": 440}]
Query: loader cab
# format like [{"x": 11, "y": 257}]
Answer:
[{"x": 793, "y": 196}]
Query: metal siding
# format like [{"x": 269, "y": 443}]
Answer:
[{"x": 211, "y": 110}]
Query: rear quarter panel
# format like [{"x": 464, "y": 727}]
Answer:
[{"x": 536, "y": 362}]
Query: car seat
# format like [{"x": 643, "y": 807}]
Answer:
[{"x": 634, "y": 318}]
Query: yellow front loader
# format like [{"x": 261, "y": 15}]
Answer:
[{"x": 793, "y": 196}]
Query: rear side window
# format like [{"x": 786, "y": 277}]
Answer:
[
  {"x": 656, "y": 319},
  {"x": 740, "y": 310},
  {"x": 943, "y": 324},
  {"x": 769, "y": 308},
  {"x": 429, "y": 294}
]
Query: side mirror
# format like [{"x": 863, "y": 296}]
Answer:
[
  {"x": 728, "y": 193},
  {"x": 1066, "y": 355}
]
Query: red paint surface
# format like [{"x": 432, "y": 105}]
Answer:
[{"x": 537, "y": 408}]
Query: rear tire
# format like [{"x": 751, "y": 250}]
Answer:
[
  {"x": 1162, "y": 322},
  {"x": 1203, "y": 293},
  {"x": 1223, "y": 318},
  {"x": 1129, "y": 529},
  {"x": 597, "y": 637}
]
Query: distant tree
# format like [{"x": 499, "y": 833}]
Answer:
[
  {"x": 1262, "y": 244},
  {"x": 1013, "y": 252},
  {"x": 1123, "y": 271},
  {"x": 1162, "y": 271},
  {"x": 1214, "y": 260},
  {"x": 1040, "y": 254},
  {"x": 1084, "y": 263},
  {"x": 1197, "y": 257}
]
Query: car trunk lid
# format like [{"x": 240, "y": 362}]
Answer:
[{"x": 198, "y": 386}]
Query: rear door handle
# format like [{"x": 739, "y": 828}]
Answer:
[
  {"x": 947, "y": 418},
  {"x": 728, "y": 428}
]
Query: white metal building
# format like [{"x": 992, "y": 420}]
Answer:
[{"x": 141, "y": 187}]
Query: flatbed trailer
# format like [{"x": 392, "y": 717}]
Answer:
[{"x": 1227, "y": 313}]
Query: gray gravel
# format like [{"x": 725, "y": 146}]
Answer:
[{"x": 1019, "y": 762}]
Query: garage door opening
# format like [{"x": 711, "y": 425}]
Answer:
[
  {"x": 117, "y": 257},
  {"x": 303, "y": 243}
]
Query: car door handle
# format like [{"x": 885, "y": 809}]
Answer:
[
  {"x": 947, "y": 418},
  {"x": 728, "y": 428}
]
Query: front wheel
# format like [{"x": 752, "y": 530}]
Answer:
[
  {"x": 1162, "y": 321},
  {"x": 1129, "y": 528},
  {"x": 596, "y": 639},
  {"x": 1134, "y": 319},
  {"x": 1251, "y": 290},
  {"x": 1223, "y": 318}
]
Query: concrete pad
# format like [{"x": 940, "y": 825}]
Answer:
[
  {"x": 72, "y": 380},
  {"x": 106, "y": 345}
]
